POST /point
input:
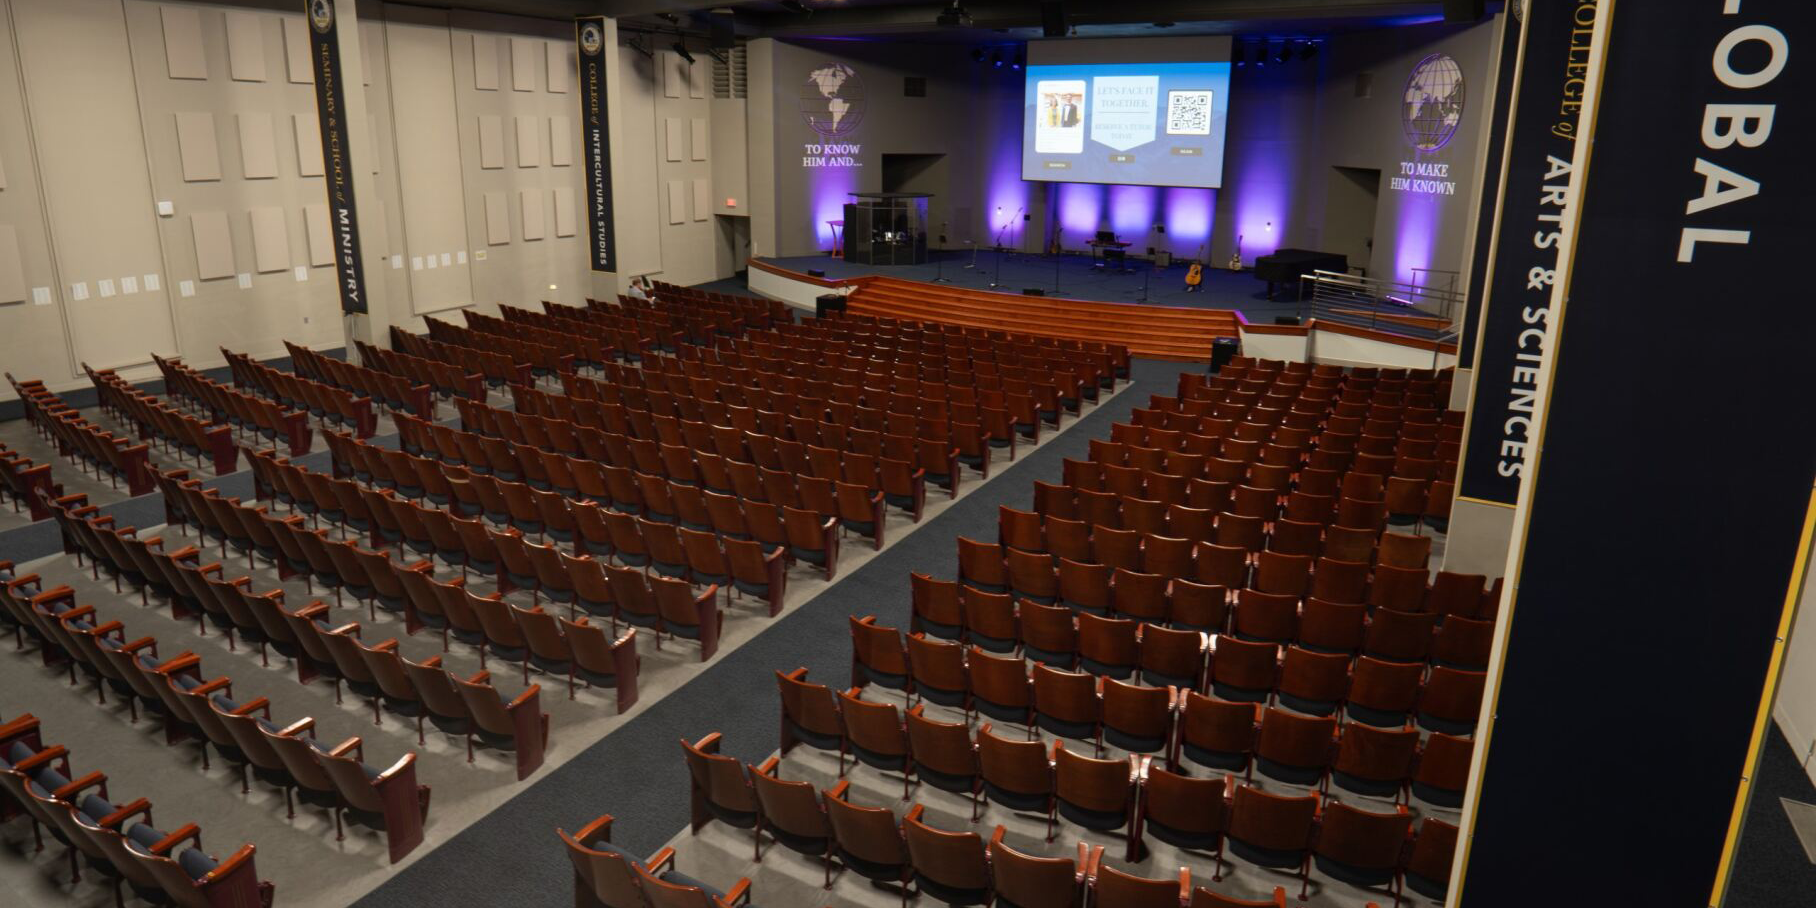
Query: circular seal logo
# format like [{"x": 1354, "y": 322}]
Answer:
[
  {"x": 591, "y": 39},
  {"x": 832, "y": 100},
  {"x": 321, "y": 15},
  {"x": 1433, "y": 106}
]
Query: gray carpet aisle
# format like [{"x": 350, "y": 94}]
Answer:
[{"x": 637, "y": 773}]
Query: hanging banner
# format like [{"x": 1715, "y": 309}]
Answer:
[
  {"x": 589, "y": 34},
  {"x": 337, "y": 154},
  {"x": 1537, "y": 185},
  {"x": 1633, "y": 688},
  {"x": 1492, "y": 170}
]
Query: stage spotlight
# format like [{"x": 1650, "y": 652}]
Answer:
[
  {"x": 639, "y": 45},
  {"x": 680, "y": 47},
  {"x": 1261, "y": 53},
  {"x": 1309, "y": 50},
  {"x": 1021, "y": 58},
  {"x": 977, "y": 55},
  {"x": 954, "y": 16},
  {"x": 1284, "y": 54},
  {"x": 996, "y": 59},
  {"x": 718, "y": 55}
]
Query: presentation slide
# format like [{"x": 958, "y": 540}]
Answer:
[{"x": 1151, "y": 124}]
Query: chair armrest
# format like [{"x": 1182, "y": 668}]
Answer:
[
  {"x": 141, "y": 643},
  {"x": 769, "y": 766},
  {"x": 305, "y": 724},
  {"x": 82, "y": 784},
  {"x": 180, "y": 662},
  {"x": 387, "y": 646},
  {"x": 403, "y": 764},
  {"x": 353, "y": 744},
  {"x": 189, "y": 831},
  {"x": 739, "y": 894},
  {"x": 48, "y": 755},
  {"x": 838, "y": 791},
  {"x": 138, "y": 807},
  {"x": 665, "y": 857},
  {"x": 710, "y": 743},
  {"x": 600, "y": 828},
  {"x": 259, "y": 705},
  {"x": 529, "y": 696},
  {"x": 222, "y": 683}
]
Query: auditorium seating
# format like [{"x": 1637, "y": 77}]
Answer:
[
  {"x": 20, "y": 480},
  {"x": 605, "y": 876},
  {"x": 91, "y": 446}
]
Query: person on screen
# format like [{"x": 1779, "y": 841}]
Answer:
[
  {"x": 1052, "y": 110},
  {"x": 1069, "y": 113}
]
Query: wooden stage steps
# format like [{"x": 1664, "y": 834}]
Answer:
[{"x": 1158, "y": 332}]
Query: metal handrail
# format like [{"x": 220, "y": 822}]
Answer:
[{"x": 1324, "y": 291}]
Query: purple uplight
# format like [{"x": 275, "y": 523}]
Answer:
[
  {"x": 1188, "y": 214},
  {"x": 1132, "y": 212},
  {"x": 1413, "y": 237},
  {"x": 829, "y": 187},
  {"x": 1080, "y": 210},
  {"x": 1006, "y": 194}
]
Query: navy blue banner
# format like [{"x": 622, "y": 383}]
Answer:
[
  {"x": 595, "y": 136},
  {"x": 337, "y": 154}
]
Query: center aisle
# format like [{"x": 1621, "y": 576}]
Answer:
[{"x": 511, "y": 857}]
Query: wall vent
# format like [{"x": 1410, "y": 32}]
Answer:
[{"x": 730, "y": 78}]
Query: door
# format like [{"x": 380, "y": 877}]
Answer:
[{"x": 1349, "y": 213}]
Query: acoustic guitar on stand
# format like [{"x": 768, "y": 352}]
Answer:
[
  {"x": 1236, "y": 260},
  {"x": 1194, "y": 276}
]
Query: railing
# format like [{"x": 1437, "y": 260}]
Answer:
[{"x": 1430, "y": 305}]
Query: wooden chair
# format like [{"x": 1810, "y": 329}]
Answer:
[
  {"x": 1183, "y": 811},
  {"x": 718, "y": 788},
  {"x": 875, "y": 735},
  {"x": 1216, "y": 734},
  {"x": 810, "y": 714},
  {"x": 1028, "y": 881},
  {"x": 949, "y": 867},
  {"x": 868, "y": 840},
  {"x": 387, "y": 799},
  {"x": 518, "y": 725},
  {"x": 943, "y": 756},
  {"x": 605, "y": 875},
  {"x": 1274, "y": 831},
  {"x": 1016, "y": 774},
  {"x": 1427, "y": 868},
  {"x": 1112, "y": 888},
  {"x": 1363, "y": 848}
]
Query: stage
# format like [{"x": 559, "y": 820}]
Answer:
[{"x": 1071, "y": 275}]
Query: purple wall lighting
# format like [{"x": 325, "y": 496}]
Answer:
[
  {"x": 1414, "y": 235},
  {"x": 1005, "y": 193},
  {"x": 828, "y": 188},
  {"x": 1080, "y": 211},
  {"x": 1132, "y": 212},
  {"x": 1188, "y": 215}
]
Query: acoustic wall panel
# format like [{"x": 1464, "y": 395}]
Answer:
[
  {"x": 321, "y": 235},
  {"x": 565, "y": 222},
  {"x": 213, "y": 244},
  {"x": 698, "y": 77},
  {"x": 529, "y": 202},
  {"x": 672, "y": 139},
  {"x": 702, "y": 204},
  {"x": 270, "y": 240},
  {"x": 258, "y": 146},
  {"x": 2, "y": 174},
  {"x": 498, "y": 220},
  {"x": 308, "y": 132},
  {"x": 485, "y": 62},
  {"x": 245, "y": 47},
  {"x": 561, "y": 143},
  {"x": 197, "y": 146},
  {"x": 529, "y": 143},
  {"x": 677, "y": 202},
  {"x": 561, "y": 64},
  {"x": 491, "y": 142},
  {"x": 696, "y": 137},
  {"x": 12, "y": 272},
  {"x": 674, "y": 74},
  {"x": 183, "y": 42},
  {"x": 523, "y": 63},
  {"x": 296, "y": 51}
]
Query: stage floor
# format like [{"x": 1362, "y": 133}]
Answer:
[{"x": 1073, "y": 276}]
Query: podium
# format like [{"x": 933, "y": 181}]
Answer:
[{"x": 886, "y": 228}]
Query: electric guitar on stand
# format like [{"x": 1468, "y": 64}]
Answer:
[
  {"x": 1194, "y": 276},
  {"x": 1236, "y": 260}
]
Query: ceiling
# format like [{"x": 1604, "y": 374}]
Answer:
[{"x": 994, "y": 21}]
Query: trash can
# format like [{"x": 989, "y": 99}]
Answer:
[
  {"x": 831, "y": 302},
  {"x": 1223, "y": 349}
]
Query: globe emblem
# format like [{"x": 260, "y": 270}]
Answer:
[
  {"x": 832, "y": 100},
  {"x": 1433, "y": 106}
]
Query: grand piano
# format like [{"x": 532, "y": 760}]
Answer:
[{"x": 1286, "y": 266}]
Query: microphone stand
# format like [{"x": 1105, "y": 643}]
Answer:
[
  {"x": 1059, "y": 251},
  {"x": 939, "y": 264},
  {"x": 997, "y": 281}
]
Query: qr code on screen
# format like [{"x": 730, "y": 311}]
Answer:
[{"x": 1189, "y": 113}]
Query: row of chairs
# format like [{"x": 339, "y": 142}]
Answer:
[
  {"x": 447, "y": 379},
  {"x": 1132, "y": 794},
  {"x": 20, "y": 480},
  {"x": 883, "y": 334},
  {"x": 548, "y": 351},
  {"x": 395, "y": 391},
  {"x": 251, "y": 413},
  {"x": 157, "y": 421},
  {"x": 194, "y": 706},
  {"x": 120, "y": 841},
  {"x": 91, "y": 446},
  {"x": 332, "y": 404},
  {"x": 498, "y": 368}
]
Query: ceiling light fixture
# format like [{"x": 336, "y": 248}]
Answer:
[{"x": 954, "y": 16}]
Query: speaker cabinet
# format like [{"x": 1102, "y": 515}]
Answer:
[
  {"x": 1053, "y": 18},
  {"x": 1033, "y": 291}
]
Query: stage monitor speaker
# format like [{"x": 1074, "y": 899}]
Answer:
[
  {"x": 1053, "y": 19},
  {"x": 1033, "y": 291},
  {"x": 815, "y": 272},
  {"x": 1464, "y": 10},
  {"x": 1286, "y": 319}
]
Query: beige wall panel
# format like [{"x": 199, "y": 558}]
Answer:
[
  {"x": 562, "y": 64},
  {"x": 672, "y": 139},
  {"x": 530, "y": 209},
  {"x": 498, "y": 220},
  {"x": 183, "y": 42},
  {"x": 699, "y": 75},
  {"x": 2, "y": 173},
  {"x": 200, "y": 148},
  {"x": 529, "y": 143},
  {"x": 636, "y": 185},
  {"x": 270, "y": 240},
  {"x": 98, "y": 192},
  {"x": 491, "y": 142},
  {"x": 321, "y": 235},
  {"x": 296, "y": 51},
  {"x": 677, "y": 202},
  {"x": 258, "y": 146},
  {"x": 213, "y": 244},
  {"x": 308, "y": 132},
  {"x": 524, "y": 60},
  {"x": 485, "y": 62},
  {"x": 702, "y": 203},
  {"x": 431, "y": 185},
  {"x": 246, "y": 46},
  {"x": 674, "y": 74},
  {"x": 696, "y": 138},
  {"x": 12, "y": 270},
  {"x": 561, "y": 142},
  {"x": 565, "y": 222}
]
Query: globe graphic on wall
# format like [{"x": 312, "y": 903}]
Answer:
[
  {"x": 832, "y": 100},
  {"x": 1434, "y": 102}
]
